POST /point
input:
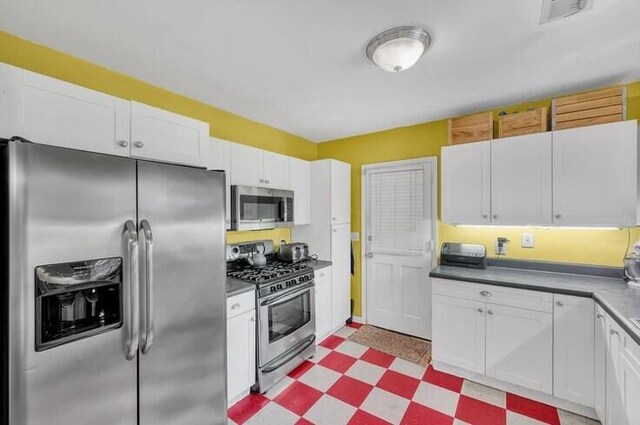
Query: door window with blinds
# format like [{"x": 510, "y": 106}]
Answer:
[{"x": 398, "y": 210}]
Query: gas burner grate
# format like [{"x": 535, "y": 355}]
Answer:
[{"x": 271, "y": 271}]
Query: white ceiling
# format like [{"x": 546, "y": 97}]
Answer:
[{"x": 299, "y": 65}]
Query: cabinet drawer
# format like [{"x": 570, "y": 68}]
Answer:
[
  {"x": 241, "y": 304},
  {"x": 512, "y": 297},
  {"x": 322, "y": 274}
]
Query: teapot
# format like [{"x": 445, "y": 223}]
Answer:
[{"x": 257, "y": 259}]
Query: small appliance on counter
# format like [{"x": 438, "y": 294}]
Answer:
[
  {"x": 463, "y": 255},
  {"x": 632, "y": 266},
  {"x": 294, "y": 252}
]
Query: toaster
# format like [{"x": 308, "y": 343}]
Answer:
[{"x": 293, "y": 252}]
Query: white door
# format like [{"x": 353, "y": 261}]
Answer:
[
  {"x": 573, "y": 349},
  {"x": 466, "y": 183},
  {"x": 519, "y": 347},
  {"x": 164, "y": 136},
  {"x": 61, "y": 114},
  {"x": 400, "y": 235},
  {"x": 594, "y": 175},
  {"x": 600, "y": 362},
  {"x": 246, "y": 165},
  {"x": 340, "y": 192},
  {"x": 300, "y": 183},
  {"x": 521, "y": 180},
  {"x": 340, "y": 274},
  {"x": 219, "y": 158},
  {"x": 459, "y": 333},
  {"x": 241, "y": 354},
  {"x": 323, "y": 303},
  {"x": 275, "y": 170}
]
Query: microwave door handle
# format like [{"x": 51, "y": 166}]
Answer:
[
  {"x": 130, "y": 291},
  {"x": 147, "y": 313}
]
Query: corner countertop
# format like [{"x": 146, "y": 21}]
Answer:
[
  {"x": 237, "y": 287},
  {"x": 620, "y": 300},
  {"x": 318, "y": 264}
]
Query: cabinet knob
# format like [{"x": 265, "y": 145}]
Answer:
[
  {"x": 613, "y": 332},
  {"x": 599, "y": 315},
  {"x": 335, "y": 230},
  {"x": 235, "y": 306},
  {"x": 558, "y": 216},
  {"x": 560, "y": 304},
  {"x": 490, "y": 312},
  {"x": 253, "y": 318},
  {"x": 138, "y": 144},
  {"x": 495, "y": 216},
  {"x": 485, "y": 293},
  {"x": 370, "y": 255},
  {"x": 267, "y": 181},
  {"x": 485, "y": 216},
  {"x": 480, "y": 310},
  {"x": 333, "y": 218},
  {"x": 123, "y": 143}
]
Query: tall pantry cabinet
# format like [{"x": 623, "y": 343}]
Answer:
[{"x": 329, "y": 234}]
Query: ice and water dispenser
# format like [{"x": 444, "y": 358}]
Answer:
[{"x": 77, "y": 300}]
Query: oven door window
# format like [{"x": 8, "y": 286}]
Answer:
[
  {"x": 289, "y": 316},
  {"x": 265, "y": 208}
]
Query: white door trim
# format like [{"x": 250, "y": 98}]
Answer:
[{"x": 433, "y": 160}]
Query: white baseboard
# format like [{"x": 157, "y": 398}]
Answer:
[
  {"x": 357, "y": 319},
  {"x": 514, "y": 389}
]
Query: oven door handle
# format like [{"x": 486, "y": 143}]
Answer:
[
  {"x": 287, "y": 295},
  {"x": 286, "y": 357}
]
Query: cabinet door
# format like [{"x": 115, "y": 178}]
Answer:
[
  {"x": 246, "y": 165},
  {"x": 340, "y": 274},
  {"x": 574, "y": 349},
  {"x": 241, "y": 354},
  {"x": 614, "y": 407},
  {"x": 458, "y": 333},
  {"x": 323, "y": 303},
  {"x": 164, "y": 136},
  {"x": 600, "y": 362},
  {"x": 519, "y": 347},
  {"x": 630, "y": 389},
  {"x": 10, "y": 101},
  {"x": 275, "y": 170},
  {"x": 300, "y": 183},
  {"x": 521, "y": 180},
  {"x": 219, "y": 158},
  {"x": 595, "y": 175},
  {"x": 340, "y": 192},
  {"x": 61, "y": 114},
  {"x": 466, "y": 183}
]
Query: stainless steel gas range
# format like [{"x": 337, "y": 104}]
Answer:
[{"x": 285, "y": 302}]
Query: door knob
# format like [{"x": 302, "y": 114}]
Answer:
[
  {"x": 123, "y": 143},
  {"x": 138, "y": 144}
]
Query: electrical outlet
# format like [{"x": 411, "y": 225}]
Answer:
[
  {"x": 527, "y": 240},
  {"x": 501, "y": 245}
]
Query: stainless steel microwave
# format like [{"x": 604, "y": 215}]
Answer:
[{"x": 255, "y": 208}]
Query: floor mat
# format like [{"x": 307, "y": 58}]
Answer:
[{"x": 406, "y": 347}]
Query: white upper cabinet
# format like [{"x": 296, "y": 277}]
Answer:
[
  {"x": 340, "y": 192},
  {"x": 254, "y": 167},
  {"x": 595, "y": 175},
  {"x": 10, "y": 101},
  {"x": 466, "y": 183},
  {"x": 300, "y": 183},
  {"x": 218, "y": 157},
  {"x": 164, "y": 136},
  {"x": 521, "y": 180},
  {"x": 574, "y": 349}
]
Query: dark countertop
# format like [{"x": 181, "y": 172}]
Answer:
[
  {"x": 318, "y": 264},
  {"x": 237, "y": 287},
  {"x": 613, "y": 294}
]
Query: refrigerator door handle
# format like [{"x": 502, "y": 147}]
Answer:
[
  {"x": 130, "y": 290},
  {"x": 146, "y": 317}
]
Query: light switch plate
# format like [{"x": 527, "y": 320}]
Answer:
[{"x": 527, "y": 240}]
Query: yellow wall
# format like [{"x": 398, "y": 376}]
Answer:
[
  {"x": 225, "y": 125},
  {"x": 605, "y": 247}
]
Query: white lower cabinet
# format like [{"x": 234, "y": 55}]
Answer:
[
  {"x": 459, "y": 332},
  {"x": 600, "y": 359},
  {"x": 630, "y": 388},
  {"x": 573, "y": 349},
  {"x": 341, "y": 274},
  {"x": 241, "y": 345},
  {"x": 519, "y": 347},
  {"x": 323, "y": 303}
]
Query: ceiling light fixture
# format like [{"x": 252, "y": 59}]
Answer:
[{"x": 398, "y": 49}]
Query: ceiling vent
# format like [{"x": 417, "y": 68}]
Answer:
[{"x": 552, "y": 10}]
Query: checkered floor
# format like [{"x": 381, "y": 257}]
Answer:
[{"x": 348, "y": 383}]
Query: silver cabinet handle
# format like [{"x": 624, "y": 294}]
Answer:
[
  {"x": 130, "y": 290},
  {"x": 123, "y": 143},
  {"x": 370, "y": 255},
  {"x": 146, "y": 292},
  {"x": 613, "y": 332},
  {"x": 480, "y": 310},
  {"x": 138, "y": 144},
  {"x": 495, "y": 216},
  {"x": 333, "y": 218},
  {"x": 599, "y": 315},
  {"x": 558, "y": 216},
  {"x": 235, "y": 306},
  {"x": 490, "y": 312},
  {"x": 485, "y": 293},
  {"x": 560, "y": 304},
  {"x": 485, "y": 216}
]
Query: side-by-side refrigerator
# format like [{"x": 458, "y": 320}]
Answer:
[{"x": 113, "y": 290}]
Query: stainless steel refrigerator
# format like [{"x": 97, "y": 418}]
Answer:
[{"x": 113, "y": 290}]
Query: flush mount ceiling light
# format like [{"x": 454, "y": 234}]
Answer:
[{"x": 398, "y": 49}]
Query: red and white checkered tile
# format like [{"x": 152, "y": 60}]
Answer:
[{"x": 347, "y": 383}]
